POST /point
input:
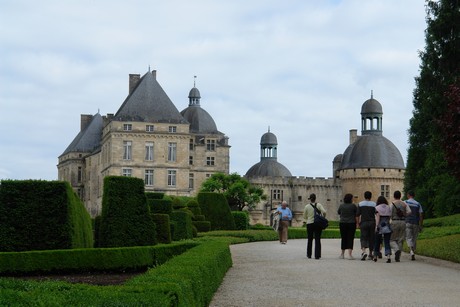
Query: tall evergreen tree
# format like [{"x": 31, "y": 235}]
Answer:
[{"x": 428, "y": 172}]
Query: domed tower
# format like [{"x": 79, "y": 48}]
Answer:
[
  {"x": 371, "y": 162},
  {"x": 268, "y": 165},
  {"x": 200, "y": 120}
]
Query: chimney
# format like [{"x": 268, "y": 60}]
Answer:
[
  {"x": 353, "y": 135},
  {"x": 154, "y": 74},
  {"x": 133, "y": 80},
  {"x": 85, "y": 119}
]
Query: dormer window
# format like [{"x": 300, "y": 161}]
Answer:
[
  {"x": 149, "y": 128},
  {"x": 172, "y": 129},
  {"x": 127, "y": 127}
]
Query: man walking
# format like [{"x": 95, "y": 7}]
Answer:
[
  {"x": 285, "y": 216},
  {"x": 366, "y": 222},
  {"x": 399, "y": 211},
  {"x": 414, "y": 223}
]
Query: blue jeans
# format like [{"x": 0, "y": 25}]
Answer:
[{"x": 386, "y": 243}]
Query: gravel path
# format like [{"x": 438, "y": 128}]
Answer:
[{"x": 270, "y": 274}]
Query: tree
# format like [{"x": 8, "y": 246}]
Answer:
[
  {"x": 236, "y": 189},
  {"x": 449, "y": 124},
  {"x": 439, "y": 70}
]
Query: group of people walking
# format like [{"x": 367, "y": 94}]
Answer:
[
  {"x": 382, "y": 224},
  {"x": 387, "y": 225}
]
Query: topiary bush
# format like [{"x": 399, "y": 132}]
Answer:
[
  {"x": 125, "y": 218},
  {"x": 241, "y": 220},
  {"x": 42, "y": 215},
  {"x": 163, "y": 229},
  {"x": 214, "y": 207}
]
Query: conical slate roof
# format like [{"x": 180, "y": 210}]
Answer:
[
  {"x": 148, "y": 102},
  {"x": 88, "y": 139}
]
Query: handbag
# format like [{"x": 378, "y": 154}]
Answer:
[
  {"x": 385, "y": 228},
  {"x": 319, "y": 220}
]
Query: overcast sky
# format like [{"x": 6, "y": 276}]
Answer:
[{"x": 302, "y": 68}]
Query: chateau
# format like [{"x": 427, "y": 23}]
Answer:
[
  {"x": 148, "y": 138},
  {"x": 174, "y": 152},
  {"x": 370, "y": 163}
]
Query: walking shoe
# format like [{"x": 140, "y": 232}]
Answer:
[
  {"x": 375, "y": 259},
  {"x": 341, "y": 257},
  {"x": 363, "y": 256},
  {"x": 380, "y": 255},
  {"x": 351, "y": 258},
  {"x": 412, "y": 257},
  {"x": 397, "y": 256},
  {"x": 389, "y": 260},
  {"x": 371, "y": 257}
]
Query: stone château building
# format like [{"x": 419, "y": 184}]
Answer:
[
  {"x": 370, "y": 163},
  {"x": 148, "y": 138}
]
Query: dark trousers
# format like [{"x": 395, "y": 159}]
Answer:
[
  {"x": 347, "y": 233},
  {"x": 368, "y": 235},
  {"x": 313, "y": 231}
]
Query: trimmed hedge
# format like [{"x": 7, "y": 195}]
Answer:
[
  {"x": 188, "y": 280},
  {"x": 163, "y": 229},
  {"x": 90, "y": 260},
  {"x": 183, "y": 225},
  {"x": 202, "y": 226},
  {"x": 162, "y": 206},
  {"x": 241, "y": 220},
  {"x": 214, "y": 207},
  {"x": 125, "y": 218},
  {"x": 42, "y": 215}
]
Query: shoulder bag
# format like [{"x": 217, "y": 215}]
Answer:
[{"x": 319, "y": 220}]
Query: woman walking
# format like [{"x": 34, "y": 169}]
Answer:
[
  {"x": 348, "y": 223},
  {"x": 382, "y": 228}
]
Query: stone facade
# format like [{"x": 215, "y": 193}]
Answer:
[
  {"x": 167, "y": 155},
  {"x": 370, "y": 163}
]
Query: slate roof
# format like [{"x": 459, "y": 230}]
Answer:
[
  {"x": 88, "y": 139},
  {"x": 372, "y": 151},
  {"x": 148, "y": 102},
  {"x": 268, "y": 167},
  {"x": 200, "y": 120}
]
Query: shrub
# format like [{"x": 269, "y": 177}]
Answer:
[
  {"x": 241, "y": 220},
  {"x": 183, "y": 225},
  {"x": 163, "y": 206},
  {"x": 125, "y": 218},
  {"x": 163, "y": 229},
  {"x": 41, "y": 215},
  {"x": 215, "y": 208}
]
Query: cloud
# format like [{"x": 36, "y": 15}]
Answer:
[{"x": 303, "y": 68}]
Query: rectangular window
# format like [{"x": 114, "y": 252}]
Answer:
[
  {"x": 172, "y": 178},
  {"x": 127, "y": 172},
  {"x": 172, "y": 129},
  {"x": 148, "y": 178},
  {"x": 172, "y": 152},
  {"x": 210, "y": 145},
  {"x": 190, "y": 160},
  {"x": 385, "y": 190},
  {"x": 191, "y": 145},
  {"x": 127, "y": 127},
  {"x": 149, "y": 151},
  {"x": 277, "y": 194},
  {"x": 127, "y": 150},
  {"x": 190, "y": 181},
  {"x": 210, "y": 161},
  {"x": 149, "y": 128}
]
